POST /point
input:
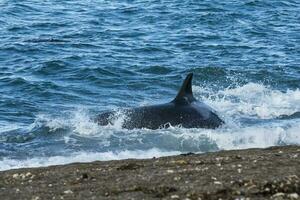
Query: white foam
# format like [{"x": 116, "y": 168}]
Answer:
[
  {"x": 117, "y": 120},
  {"x": 83, "y": 124},
  {"x": 78, "y": 121},
  {"x": 7, "y": 164},
  {"x": 257, "y": 136},
  {"x": 251, "y": 100},
  {"x": 9, "y": 127},
  {"x": 228, "y": 138}
]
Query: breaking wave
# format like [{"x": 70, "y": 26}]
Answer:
[{"x": 251, "y": 113}]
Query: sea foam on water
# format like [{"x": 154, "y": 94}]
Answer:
[{"x": 250, "y": 113}]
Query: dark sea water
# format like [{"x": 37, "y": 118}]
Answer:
[{"x": 62, "y": 62}]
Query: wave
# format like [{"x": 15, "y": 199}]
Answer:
[
  {"x": 252, "y": 113},
  {"x": 252, "y": 100}
]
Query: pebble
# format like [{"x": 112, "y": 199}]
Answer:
[
  {"x": 251, "y": 187},
  {"x": 295, "y": 156},
  {"x": 181, "y": 162},
  {"x": 197, "y": 169},
  {"x": 281, "y": 185},
  {"x": 68, "y": 192},
  {"x": 174, "y": 196},
  {"x": 28, "y": 174},
  {"x": 170, "y": 171},
  {"x": 217, "y": 183},
  {"x": 219, "y": 158},
  {"x": 23, "y": 176},
  {"x": 293, "y": 196},
  {"x": 205, "y": 169},
  {"x": 279, "y": 194},
  {"x": 15, "y": 176}
]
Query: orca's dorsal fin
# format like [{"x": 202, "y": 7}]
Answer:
[{"x": 185, "y": 92}]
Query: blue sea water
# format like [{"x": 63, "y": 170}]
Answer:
[{"x": 62, "y": 62}]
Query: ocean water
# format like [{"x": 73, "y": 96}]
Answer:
[{"x": 62, "y": 62}]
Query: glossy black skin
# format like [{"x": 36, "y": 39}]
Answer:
[
  {"x": 187, "y": 115},
  {"x": 183, "y": 111}
]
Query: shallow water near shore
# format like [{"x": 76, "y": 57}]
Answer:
[{"x": 61, "y": 63}]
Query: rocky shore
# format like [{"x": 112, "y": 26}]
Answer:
[{"x": 272, "y": 173}]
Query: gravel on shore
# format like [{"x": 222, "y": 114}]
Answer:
[{"x": 272, "y": 173}]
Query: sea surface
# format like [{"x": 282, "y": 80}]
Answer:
[{"x": 63, "y": 62}]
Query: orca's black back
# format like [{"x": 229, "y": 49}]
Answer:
[{"x": 184, "y": 110}]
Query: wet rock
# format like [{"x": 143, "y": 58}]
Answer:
[
  {"x": 129, "y": 166},
  {"x": 84, "y": 176},
  {"x": 187, "y": 154}
]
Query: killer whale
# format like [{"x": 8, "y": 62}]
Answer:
[{"x": 183, "y": 111}]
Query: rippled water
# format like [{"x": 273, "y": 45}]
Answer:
[{"x": 62, "y": 62}]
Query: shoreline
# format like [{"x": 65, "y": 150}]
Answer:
[{"x": 271, "y": 173}]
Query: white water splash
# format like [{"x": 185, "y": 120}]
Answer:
[
  {"x": 117, "y": 120},
  {"x": 79, "y": 121},
  {"x": 251, "y": 100}
]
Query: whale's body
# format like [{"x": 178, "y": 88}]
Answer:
[{"x": 183, "y": 111}]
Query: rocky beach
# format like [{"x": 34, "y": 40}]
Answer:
[{"x": 271, "y": 173}]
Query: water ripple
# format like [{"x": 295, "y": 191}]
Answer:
[{"x": 68, "y": 60}]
